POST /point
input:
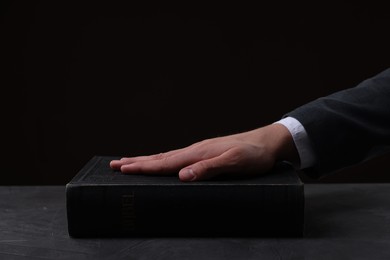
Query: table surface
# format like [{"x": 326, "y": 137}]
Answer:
[{"x": 342, "y": 221}]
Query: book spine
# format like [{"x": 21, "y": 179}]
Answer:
[{"x": 125, "y": 210}]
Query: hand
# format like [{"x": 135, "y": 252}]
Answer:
[{"x": 251, "y": 152}]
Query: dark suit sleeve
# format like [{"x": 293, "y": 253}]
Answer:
[{"x": 349, "y": 126}]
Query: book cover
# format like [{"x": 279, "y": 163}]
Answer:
[{"x": 103, "y": 202}]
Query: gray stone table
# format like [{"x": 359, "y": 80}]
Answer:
[{"x": 343, "y": 221}]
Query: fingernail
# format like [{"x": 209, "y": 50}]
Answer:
[
  {"x": 112, "y": 163},
  {"x": 188, "y": 175}
]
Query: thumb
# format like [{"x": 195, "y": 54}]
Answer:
[{"x": 203, "y": 170}]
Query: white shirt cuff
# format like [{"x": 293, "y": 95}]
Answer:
[{"x": 301, "y": 140}]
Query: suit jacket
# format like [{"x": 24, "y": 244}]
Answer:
[{"x": 349, "y": 126}]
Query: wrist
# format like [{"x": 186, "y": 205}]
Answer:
[
  {"x": 278, "y": 142},
  {"x": 285, "y": 148}
]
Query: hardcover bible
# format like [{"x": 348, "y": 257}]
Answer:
[{"x": 103, "y": 202}]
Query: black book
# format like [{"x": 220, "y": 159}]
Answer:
[{"x": 103, "y": 202}]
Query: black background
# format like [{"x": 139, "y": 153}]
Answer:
[{"x": 87, "y": 78}]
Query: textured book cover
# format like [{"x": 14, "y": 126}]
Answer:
[{"x": 103, "y": 202}]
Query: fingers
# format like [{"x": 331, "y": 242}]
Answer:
[
  {"x": 117, "y": 164},
  {"x": 162, "y": 164},
  {"x": 207, "y": 169}
]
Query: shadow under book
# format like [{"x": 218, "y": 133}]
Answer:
[{"x": 102, "y": 202}]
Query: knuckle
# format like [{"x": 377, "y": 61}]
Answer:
[
  {"x": 163, "y": 164},
  {"x": 235, "y": 156},
  {"x": 159, "y": 156},
  {"x": 205, "y": 142},
  {"x": 205, "y": 167},
  {"x": 201, "y": 166}
]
